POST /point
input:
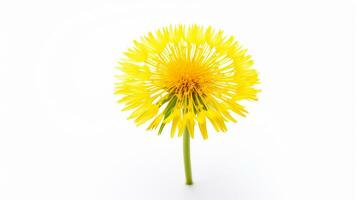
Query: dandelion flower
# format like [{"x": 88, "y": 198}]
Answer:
[{"x": 182, "y": 77}]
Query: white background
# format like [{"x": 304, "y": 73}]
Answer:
[{"x": 62, "y": 135}]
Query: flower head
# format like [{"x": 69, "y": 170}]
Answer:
[{"x": 186, "y": 76}]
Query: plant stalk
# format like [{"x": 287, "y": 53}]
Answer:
[{"x": 187, "y": 157}]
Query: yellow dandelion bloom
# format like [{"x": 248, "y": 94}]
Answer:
[{"x": 186, "y": 76}]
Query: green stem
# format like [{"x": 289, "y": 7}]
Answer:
[{"x": 187, "y": 157}]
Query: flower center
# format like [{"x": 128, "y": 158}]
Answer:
[{"x": 186, "y": 84}]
